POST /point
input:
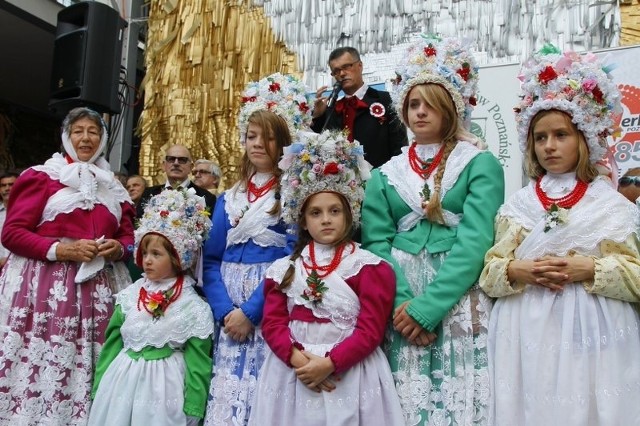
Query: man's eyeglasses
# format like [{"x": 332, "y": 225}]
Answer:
[
  {"x": 172, "y": 159},
  {"x": 628, "y": 180},
  {"x": 204, "y": 172},
  {"x": 346, "y": 67}
]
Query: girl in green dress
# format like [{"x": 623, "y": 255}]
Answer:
[{"x": 429, "y": 211}]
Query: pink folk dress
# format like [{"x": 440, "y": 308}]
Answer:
[{"x": 51, "y": 328}]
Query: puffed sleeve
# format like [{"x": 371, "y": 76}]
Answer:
[
  {"x": 113, "y": 345},
  {"x": 29, "y": 196},
  {"x": 494, "y": 277},
  {"x": 375, "y": 289},
  {"x": 462, "y": 266},
  {"x": 214, "y": 288},
  {"x": 275, "y": 322},
  {"x": 197, "y": 376},
  {"x": 617, "y": 272},
  {"x": 124, "y": 233}
]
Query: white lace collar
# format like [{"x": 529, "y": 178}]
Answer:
[
  {"x": 588, "y": 223},
  {"x": 189, "y": 316},
  {"x": 556, "y": 185},
  {"x": 86, "y": 184},
  {"x": 409, "y": 185},
  {"x": 251, "y": 221}
]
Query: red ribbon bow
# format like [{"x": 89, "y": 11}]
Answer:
[{"x": 348, "y": 107}]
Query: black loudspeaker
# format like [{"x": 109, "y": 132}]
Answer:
[{"x": 86, "y": 58}]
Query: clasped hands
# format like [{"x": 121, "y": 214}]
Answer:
[
  {"x": 314, "y": 371},
  {"x": 551, "y": 271},
  {"x": 85, "y": 250},
  {"x": 410, "y": 328}
]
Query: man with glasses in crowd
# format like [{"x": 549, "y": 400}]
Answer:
[
  {"x": 207, "y": 174},
  {"x": 177, "y": 165},
  {"x": 629, "y": 185},
  {"x": 366, "y": 112}
]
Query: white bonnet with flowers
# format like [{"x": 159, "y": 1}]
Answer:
[
  {"x": 448, "y": 62},
  {"x": 181, "y": 217},
  {"x": 281, "y": 94},
  {"x": 576, "y": 84},
  {"x": 325, "y": 162}
]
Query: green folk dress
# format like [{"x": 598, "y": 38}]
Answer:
[{"x": 437, "y": 269}]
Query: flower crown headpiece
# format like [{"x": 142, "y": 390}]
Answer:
[
  {"x": 325, "y": 162},
  {"x": 181, "y": 217},
  {"x": 284, "y": 95},
  {"x": 447, "y": 62},
  {"x": 576, "y": 84}
]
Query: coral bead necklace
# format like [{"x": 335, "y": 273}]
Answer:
[
  {"x": 424, "y": 168},
  {"x": 157, "y": 302},
  {"x": 316, "y": 288},
  {"x": 254, "y": 192},
  {"x": 566, "y": 202}
]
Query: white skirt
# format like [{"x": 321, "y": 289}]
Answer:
[
  {"x": 564, "y": 358},
  {"x": 138, "y": 392},
  {"x": 364, "y": 395}
]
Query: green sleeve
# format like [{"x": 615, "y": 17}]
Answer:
[
  {"x": 484, "y": 180},
  {"x": 379, "y": 230},
  {"x": 112, "y": 347},
  {"x": 197, "y": 356}
]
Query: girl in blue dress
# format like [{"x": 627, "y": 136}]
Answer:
[{"x": 247, "y": 236}]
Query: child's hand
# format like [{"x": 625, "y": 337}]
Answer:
[
  {"x": 425, "y": 338},
  {"x": 315, "y": 373},
  {"x": 405, "y": 324},
  {"x": 237, "y": 325}
]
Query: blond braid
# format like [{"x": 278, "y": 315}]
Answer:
[{"x": 434, "y": 206}]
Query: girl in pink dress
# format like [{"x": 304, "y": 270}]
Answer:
[{"x": 327, "y": 304}]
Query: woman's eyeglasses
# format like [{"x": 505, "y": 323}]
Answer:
[{"x": 628, "y": 180}]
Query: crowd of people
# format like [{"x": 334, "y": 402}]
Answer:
[{"x": 349, "y": 276}]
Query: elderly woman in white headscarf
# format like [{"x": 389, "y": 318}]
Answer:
[{"x": 69, "y": 226}]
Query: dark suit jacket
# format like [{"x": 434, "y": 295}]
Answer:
[
  {"x": 209, "y": 198},
  {"x": 381, "y": 139}
]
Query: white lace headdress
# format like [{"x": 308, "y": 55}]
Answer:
[
  {"x": 576, "y": 84},
  {"x": 181, "y": 217},
  {"x": 281, "y": 94},
  {"x": 325, "y": 162},
  {"x": 448, "y": 62}
]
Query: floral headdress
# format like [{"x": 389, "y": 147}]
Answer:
[
  {"x": 576, "y": 84},
  {"x": 447, "y": 62},
  {"x": 322, "y": 162},
  {"x": 284, "y": 95},
  {"x": 181, "y": 217}
]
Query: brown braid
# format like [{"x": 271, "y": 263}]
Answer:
[
  {"x": 303, "y": 239},
  {"x": 434, "y": 206}
]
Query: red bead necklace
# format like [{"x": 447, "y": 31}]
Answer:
[
  {"x": 424, "y": 168},
  {"x": 566, "y": 202},
  {"x": 323, "y": 271},
  {"x": 156, "y": 303},
  {"x": 257, "y": 192}
]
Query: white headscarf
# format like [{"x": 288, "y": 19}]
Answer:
[{"x": 87, "y": 182}]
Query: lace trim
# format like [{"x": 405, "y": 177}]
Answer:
[
  {"x": 589, "y": 222},
  {"x": 339, "y": 304},
  {"x": 408, "y": 185},
  {"x": 250, "y": 221},
  {"x": 86, "y": 185},
  {"x": 187, "y": 317}
]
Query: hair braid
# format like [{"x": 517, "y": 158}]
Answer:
[
  {"x": 302, "y": 242},
  {"x": 434, "y": 206}
]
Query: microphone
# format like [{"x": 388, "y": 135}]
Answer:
[{"x": 334, "y": 94}]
